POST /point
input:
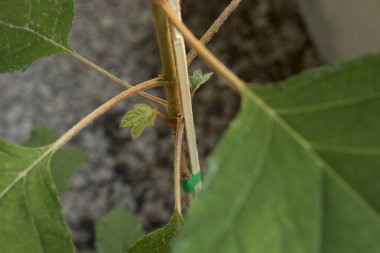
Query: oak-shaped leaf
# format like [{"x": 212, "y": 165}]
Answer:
[
  {"x": 138, "y": 118},
  {"x": 198, "y": 78},
  {"x": 297, "y": 171},
  {"x": 160, "y": 240}
]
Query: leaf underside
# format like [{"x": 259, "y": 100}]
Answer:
[
  {"x": 30, "y": 215},
  {"x": 198, "y": 78},
  {"x": 138, "y": 118},
  {"x": 158, "y": 241},
  {"x": 31, "y": 30},
  {"x": 299, "y": 173}
]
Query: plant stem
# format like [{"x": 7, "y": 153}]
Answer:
[
  {"x": 80, "y": 126},
  {"x": 115, "y": 79},
  {"x": 186, "y": 174},
  {"x": 101, "y": 110},
  {"x": 177, "y": 165},
  {"x": 210, "y": 59},
  {"x": 167, "y": 57},
  {"x": 170, "y": 121},
  {"x": 183, "y": 76},
  {"x": 214, "y": 28}
]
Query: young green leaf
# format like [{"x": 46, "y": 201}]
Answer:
[
  {"x": 30, "y": 212},
  {"x": 138, "y": 118},
  {"x": 64, "y": 163},
  {"x": 158, "y": 241},
  {"x": 298, "y": 171},
  {"x": 198, "y": 78},
  {"x": 31, "y": 30},
  {"x": 117, "y": 231}
]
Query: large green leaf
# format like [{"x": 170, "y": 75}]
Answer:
[
  {"x": 32, "y": 29},
  {"x": 298, "y": 170},
  {"x": 158, "y": 241},
  {"x": 30, "y": 217},
  {"x": 117, "y": 231},
  {"x": 65, "y": 162}
]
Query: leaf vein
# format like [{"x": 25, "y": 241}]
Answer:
[
  {"x": 30, "y": 215},
  {"x": 328, "y": 106},
  {"x": 347, "y": 150},
  {"x": 27, "y": 29},
  {"x": 239, "y": 206},
  {"x": 321, "y": 163}
]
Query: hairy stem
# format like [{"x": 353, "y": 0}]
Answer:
[
  {"x": 214, "y": 28},
  {"x": 208, "y": 57},
  {"x": 115, "y": 79},
  {"x": 167, "y": 57},
  {"x": 101, "y": 110},
  {"x": 177, "y": 165}
]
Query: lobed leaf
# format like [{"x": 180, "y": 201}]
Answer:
[
  {"x": 138, "y": 118},
  {"x": 298, "y": 170},
  {"x": 31, "y": 30},
  {"x": 198, "y": 78}
]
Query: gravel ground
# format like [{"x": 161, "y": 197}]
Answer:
[{"x": 264, "y": 41}]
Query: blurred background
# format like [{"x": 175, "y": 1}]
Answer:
[{"x": 263, "y": 41}]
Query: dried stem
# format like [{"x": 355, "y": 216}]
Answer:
[
  {"x": 214, "y": 28},
  {"x": 115, "y": 79},
  {"x": 183, "y": 76},
  {"x": 80, "y": 126},
  {"x": 177, "y": 164},
  {"x": 167, "y": 58},
  {"x": 209, "y": 58},
  {"x": 101, "y": 110}
]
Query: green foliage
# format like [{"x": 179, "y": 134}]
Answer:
[
  {"x": 158, "y": 241},
  {"x": 117, "y": 231},
  {"x": 31, "y": 30},
  {"x": 30, "y": 215},
  {"x": 298, "y": 170},
  {"x": 41, "y": 136},
  {"x": 198, "y": 78},
  {"x": 65, "y": 162},
  {"x": 138, "y": 118},
  {"x": 299, "y": 173}
]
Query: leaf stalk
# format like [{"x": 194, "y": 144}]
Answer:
[
  {"x": 165, "y": 44},
  {"x": 115, "y": 79}
]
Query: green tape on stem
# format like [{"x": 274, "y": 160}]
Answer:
[{"x": 188, "y": 185}]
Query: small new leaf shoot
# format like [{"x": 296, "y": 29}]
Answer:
[
  {"x": 198, "y": 78},
  {"x": 138, "y": 118}
]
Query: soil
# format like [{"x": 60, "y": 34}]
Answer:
[{"x": 263, "y": 41}]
